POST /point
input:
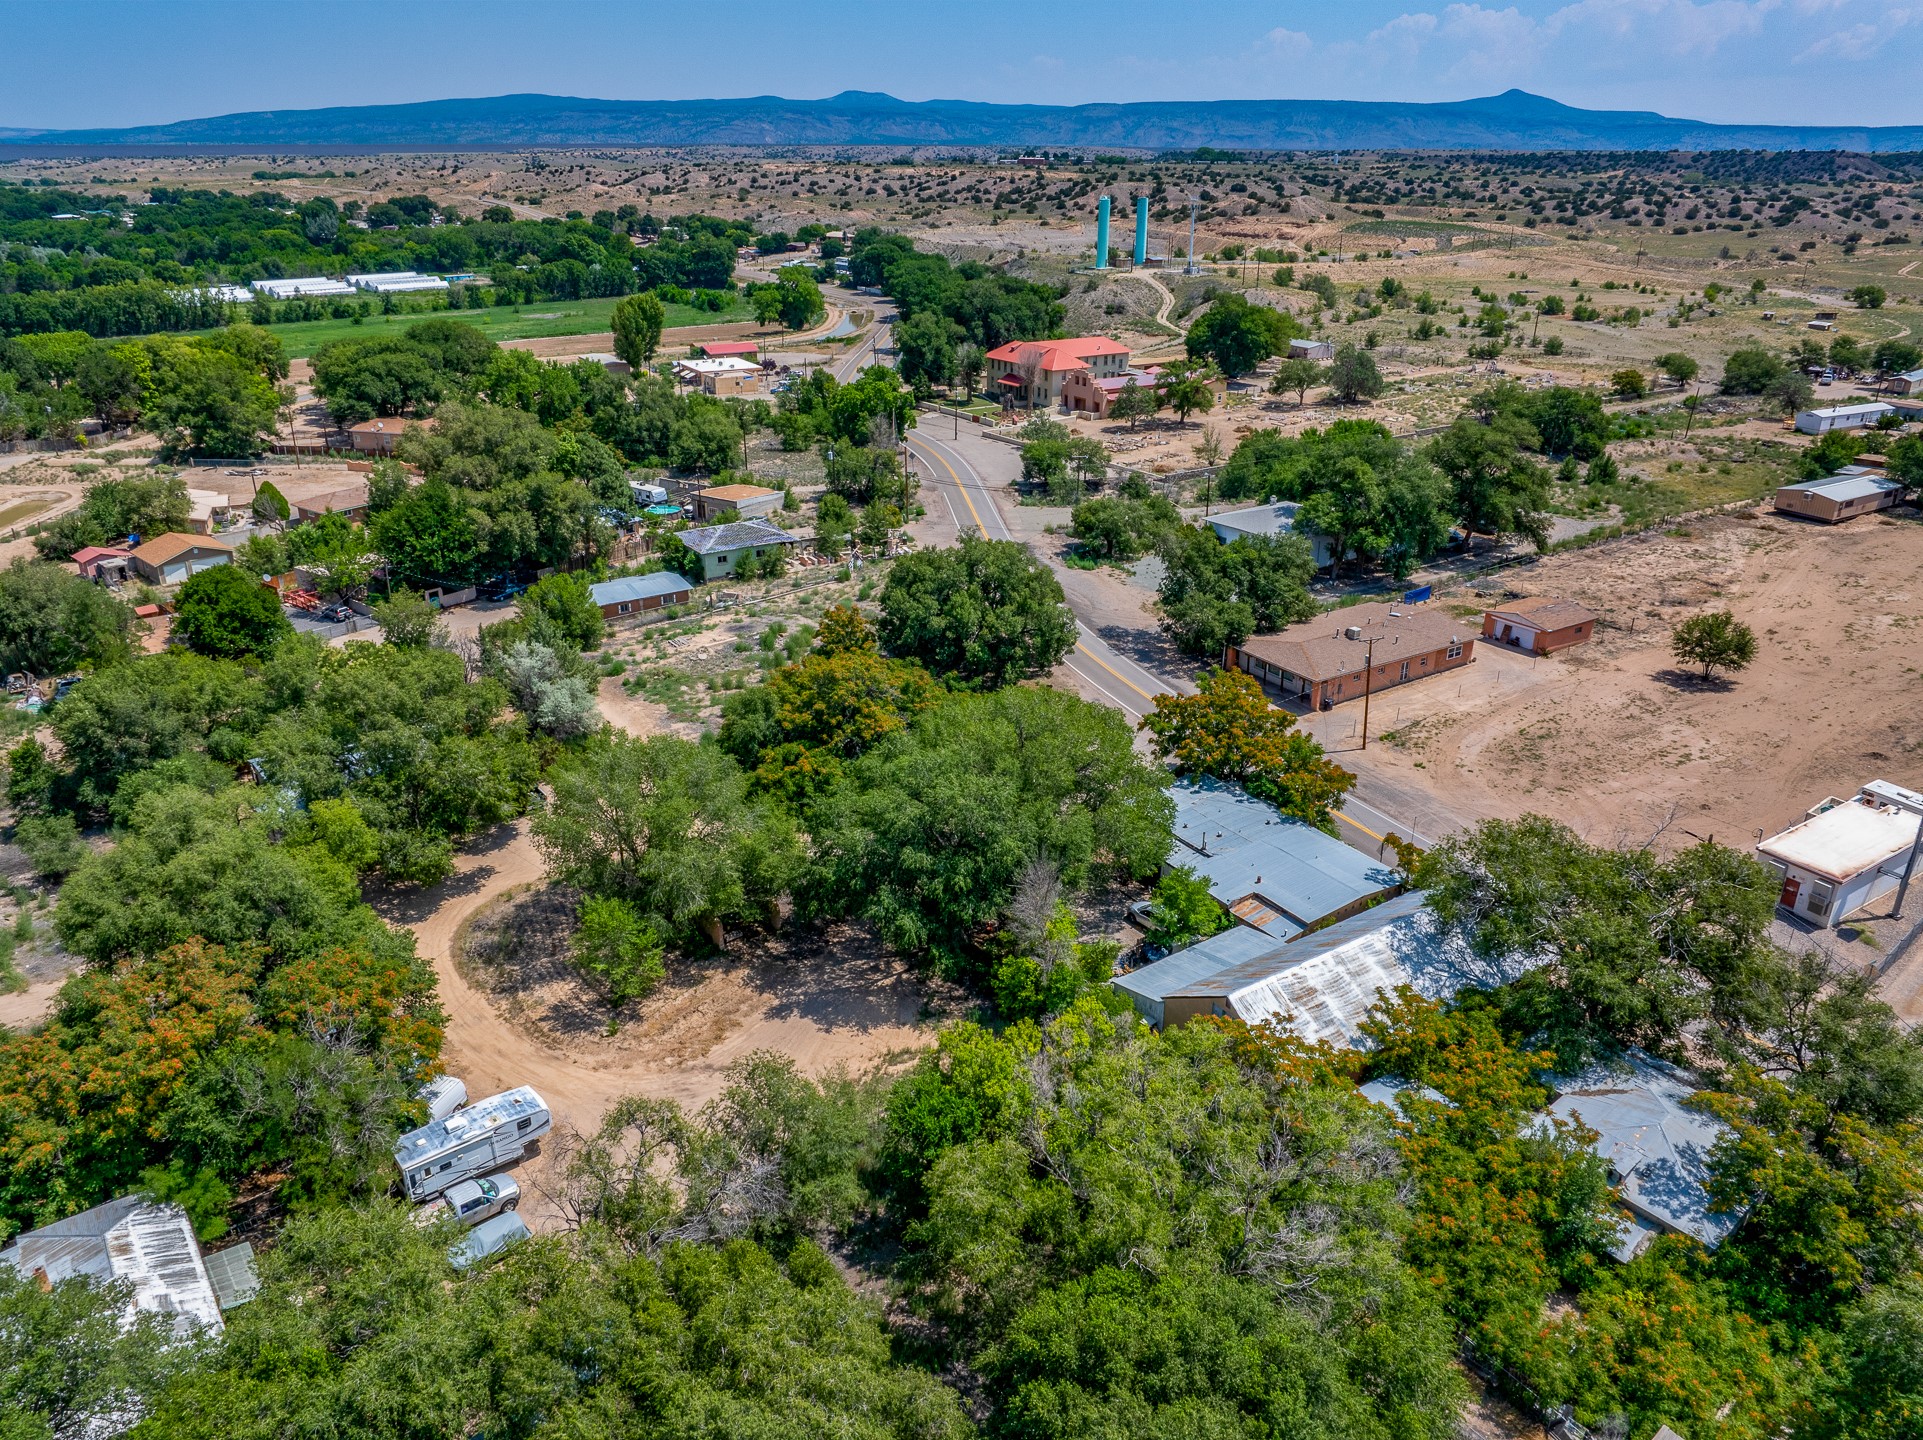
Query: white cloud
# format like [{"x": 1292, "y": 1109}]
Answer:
[
  {"x": 1859, "y": 41},
  {"x": 1288, "y": 44}
]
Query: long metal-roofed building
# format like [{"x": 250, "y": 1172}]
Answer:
[
  {"x": 396, "y": 282},
  {"x": 151, "y": 1248},
  {"x": 1273, "y": 873},
  {"x": 1319, "y": 986}
]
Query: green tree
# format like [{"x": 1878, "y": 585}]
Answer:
[
  {"x": 1499, "y": 489},
  {"x": 800, "y": 303},
  {"x": 927, "y": 347},
  {"x": 1214, "y": 595},
  {"x": 561, "y": 609},
  {"x": 1185, "y": 389},
  {"x": 982, "y": 614},
  {"x": 1751, "y": 371},
  {"x": 225, "y": 615},
  {"x": 637, "y": 322},
  {"x": 1182, "y": 910},
  {"x": 1236, "y": 336},
  {"x": 932, "y": 828},
  {"x": 1296, "y": 377},
  {"x": 1868, "y": 297},
  {"x": 1135, "y": 402},
  {"x": 51, "y": 620},
  {"x": 667, "y": 826},
  {"x": 1123, "y": 527},
  {"x": 408, "y": 620},
  {"x": 1228, "y": 730},
  {"x": 205, "y": 402},
  {"x": 617, "y": 949},
  {"x": 1629, "y": 384},
  {"x": 1715, "y": 640},
  {"x": 1677, "y": 366},
  {"x": 430, "y": 537},
  {"x": 1353, "y": 376},
  {"x": 1895, "y": 357}
]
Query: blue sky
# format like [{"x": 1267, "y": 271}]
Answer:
[{"x": 124, "y": 62}]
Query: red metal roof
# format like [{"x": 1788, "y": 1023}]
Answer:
[
  {"x": 716, "y": 348},
  {"x": 1057, "y": 354}
]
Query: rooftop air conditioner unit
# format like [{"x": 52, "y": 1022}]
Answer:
[{"x": 1354, "y": 632}]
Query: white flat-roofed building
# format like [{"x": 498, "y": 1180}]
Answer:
[
  {"x": 1846, "y": 854},
  {"x": 301, "y": 287},
  {"x": 1842, "y": 417},
  {"x": 396, "y": 282}
]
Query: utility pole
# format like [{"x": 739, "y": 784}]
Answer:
[{"x": 1368, "y": 682}]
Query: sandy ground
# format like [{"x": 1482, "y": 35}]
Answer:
[
  {"x": 31, "y": 1005},
  {"x": 1612, "y": 736},
  {"x": 542, "y": 1029}
]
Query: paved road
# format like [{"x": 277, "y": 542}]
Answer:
[{"x": 1127, "y": 684}]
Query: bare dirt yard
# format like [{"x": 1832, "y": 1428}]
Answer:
[
  {"x": 1620, "y": 743},
  {"x": 517, "y": 1014}
]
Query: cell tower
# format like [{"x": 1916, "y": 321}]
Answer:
[{"x": 1195, "y": 204}]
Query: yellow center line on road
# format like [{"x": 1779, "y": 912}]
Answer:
[
  {"x": 1379, "y": 839},
  {"x": 1084, "y": 650},
  {"x": 953, "y": 475}
]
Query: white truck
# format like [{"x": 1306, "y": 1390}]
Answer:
[{"x": 488, "y": 1135}]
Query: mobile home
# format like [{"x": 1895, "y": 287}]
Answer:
[{"x": 486, "y": 1136}]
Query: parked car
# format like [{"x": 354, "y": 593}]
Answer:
[
  {"x": 472, "y": 1201},
  {"x": 487, "y": 1240}
]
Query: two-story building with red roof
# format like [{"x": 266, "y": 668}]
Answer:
[{"x": 1034, "y": 372}]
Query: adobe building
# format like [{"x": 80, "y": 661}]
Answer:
[
  {"x": 1540, "y": 624},
  {"x": 1325, "y": 661}
]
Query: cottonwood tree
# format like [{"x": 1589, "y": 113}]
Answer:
[{"x": 637, "y": 323}]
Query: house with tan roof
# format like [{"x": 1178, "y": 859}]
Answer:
[
  {"x": 748, "y": 502},
  {"x": 1033, "y": 372},
  {"x": 1336, "y": 657},
  {"x": 349, "y": 501},
  {"x": 1540, "y": 624},
  {"x": 171, "y": 558},
  {"x": 380, "y": 435}
]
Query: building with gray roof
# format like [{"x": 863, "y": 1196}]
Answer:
[
  {"x": 1275, "y": 518},
  {"x": 722, "y": 548},
  {"x": 150, "y": 1248},
  {"x": 1657, "y": 1147},
  {"x": 633, "y": 594},
  {"x": 1320, "y": 985},
  {"x": 1270, "y": 871}
]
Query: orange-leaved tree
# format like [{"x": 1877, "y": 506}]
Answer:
[{"x": 1229, "y": 730}]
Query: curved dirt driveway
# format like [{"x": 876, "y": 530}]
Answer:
[{"x": 821, "y": 1021}]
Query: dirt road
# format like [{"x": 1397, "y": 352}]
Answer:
[{"x": 823, "y": 1017}]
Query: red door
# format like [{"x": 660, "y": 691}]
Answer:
[{"x": 1792, "y": 887}]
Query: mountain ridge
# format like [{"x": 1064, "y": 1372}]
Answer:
[{"x": 1513, "y": 120}]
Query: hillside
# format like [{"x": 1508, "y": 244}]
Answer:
[{"x": 1515, "y": 120}]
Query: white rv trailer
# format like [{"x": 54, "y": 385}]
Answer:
[{"x": 488, "y": 1135}]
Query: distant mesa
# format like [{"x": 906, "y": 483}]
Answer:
[{"x": 1514, "y": 120}]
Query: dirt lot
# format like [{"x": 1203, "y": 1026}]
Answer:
[
  {"x": 518, "y": 1016},
  {"x": 1618, "y": 742}
]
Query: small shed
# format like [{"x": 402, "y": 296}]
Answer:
[
  {"x": 1320, "y": 351},
  {"x": 749, "y": 502},
  {"x": 739, "y": 349},
  {"x": 1539, "y": 624},
  {"x": 102, "y": 562},
  {"x": 634, "y": 595}
]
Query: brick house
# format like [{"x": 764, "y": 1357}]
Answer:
[{"x": 1324, "y": 661}]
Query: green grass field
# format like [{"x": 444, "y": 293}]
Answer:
[{"x": 525, "y": 322}]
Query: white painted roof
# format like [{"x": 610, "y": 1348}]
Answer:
[
  {"x": 1845, "y": 840},
  {"x": 151, "y": 1247},
  {"x": 721, "y": 365},
  {"x": 1842, "y": 488}
]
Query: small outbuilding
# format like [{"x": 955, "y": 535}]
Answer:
[
  {"x": 1842, "y": 417},
  {"x": 749, "y": 502},
  {"x": 1656, "y": 1144},
  {"x": 1852, "y": 491},
  {"x": 1845, "y": 854},
  {"x": 1910, "y": 382},
  {"x": 1539, "y": 624},
  {"x": 739, "y": 349},
  {"x": 1320, "y": 351},
  {"x": 1263, "y": 520},
  {"x": 102, "y": 563},
  {"x": 634, "y": 595},
  {"x": 171, "y": 558}
]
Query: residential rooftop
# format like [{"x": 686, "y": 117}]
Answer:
[
  {"x": 1845, "y": 839},
  {"x": 1320, "y": 649},
  {"x": 735, "y": 535},
  {"x": 660, "y": 584},
  {"x": 1544, "y": 612}
]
